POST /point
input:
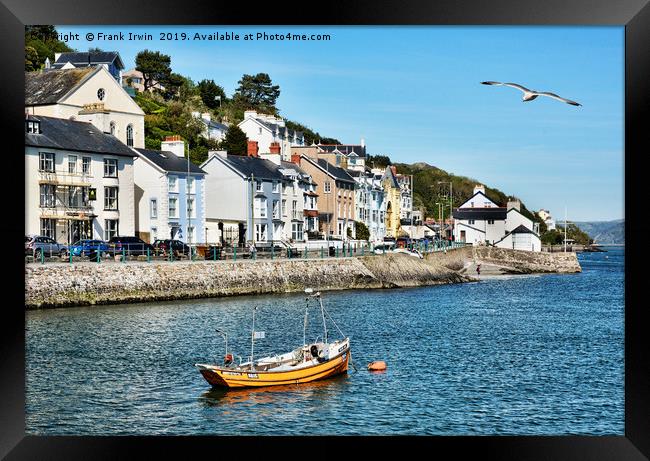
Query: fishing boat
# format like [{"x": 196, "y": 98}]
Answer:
[{"x": 309, "y": 362}]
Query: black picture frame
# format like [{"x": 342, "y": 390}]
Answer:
[{"x": 634, "y": 15}]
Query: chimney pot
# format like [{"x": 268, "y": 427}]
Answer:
[
  {"x": 253, "y": 149},
  {"x": 295, "y": 158},
  {"x": 274, "y": 148}
]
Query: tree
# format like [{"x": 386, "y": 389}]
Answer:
[
  {"x": 155, "y": 67},
  {"x": 210, "y": 93},
  {"x": 258, "y": 91},
  {"x": 235, "y": 141},
  {"x": 95, "y": 49},
  {"x": 362, "y": 231},
  {"x": 173, "y": 83},
  {"x": 31, "y": 59}
]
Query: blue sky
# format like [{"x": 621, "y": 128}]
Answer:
[{"x": 414, "y": 93}]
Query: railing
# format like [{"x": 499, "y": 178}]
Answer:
[{"x": 210, "y": 252}]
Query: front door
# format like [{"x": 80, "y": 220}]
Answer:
[{"x": 462, "y": 236}]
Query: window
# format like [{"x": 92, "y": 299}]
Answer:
[
  {"x": 110, "y": 229},
  {"x": 153, "y": 208},
  {"x": 190, "y": 233},
  {"x": 190, "y": 208},
  {"x": 296, "y": 231},
  {"x": 129, "y": 135},
  {"x": 47, "y": 195},
  {"x": 77, "y": 197},
  {"x": 490, "y": 221},
  {"x": 110, "y": 168},
  {"x": 190, "y": 185},
  {"x": 258, "y": 186},
  {"x": 173, "y": 184},
  {"x": 327, "y": 187},
  {"x": 110, "y": 198},
  {"x": 276, "y": 187},
  {"x": 72, "y": 164},
  {"x": 154, "y": 234},
  {"x": 46, "y": 162},
  {"x": 284, "y": 207},
  {"x": 276, "y": 209},
  {"x": 33, "y": 126},
  {"x": 85, "y": 165},
  {"x": 294, "y": 211},
  {"x": 471, "y": 221},
  {"x": 113, "y": 128},
  {"x": 100, "y": 94},
  {"x": 260, "y": 207},
  {"x": 173, "y": 209},
  {"x": 48, "y": 228},
  {"x": 260, "y": 232}
]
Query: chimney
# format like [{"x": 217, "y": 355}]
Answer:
[
  {"x": 253, "y": 149},
  {"x": 250, "y": 114},
  {"x": 479, "y": 188},
  {"x": 205, "y": 116},
  {"x": 174, "y": 144},
  {"x": 274, "y": 148},
  {"x": 220, "y": 153},
  {"x": 275, "y": 158},
  {"x": 295, "y": 158},
  {"x": 363, "y": 142},
  {"x": 516, "y": 204}
]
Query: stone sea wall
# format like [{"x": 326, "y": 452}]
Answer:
[{"x": 61, "y": 284}]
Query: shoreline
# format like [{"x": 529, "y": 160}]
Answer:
[{"x": 57, "y": 285}]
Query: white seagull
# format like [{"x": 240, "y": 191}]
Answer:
[{"x": 529, "y": 95}]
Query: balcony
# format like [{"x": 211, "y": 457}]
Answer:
[{"x": 64, "y": 178}]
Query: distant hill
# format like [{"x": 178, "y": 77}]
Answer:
[{"x": 605, "y": 232}]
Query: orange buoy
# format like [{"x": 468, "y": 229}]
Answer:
[{"x": 377, "y": 365}]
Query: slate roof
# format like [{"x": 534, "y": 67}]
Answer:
[
  {"x": 521, "y": 229},
  {"x": 259, "y": 168},
  {"x": 70, "y": 135},
  {"x": 346, "y": 149},
  {"x": 305, "y": 177},
  {"x": 81, "y": 59},
  {"x": 280, "y": 129},
  {"x": 498, "y": 213},
  {"x": 334, "y": 171},
  {"x": 169, "y": 161},
  {"x": 48, "y": 87}
]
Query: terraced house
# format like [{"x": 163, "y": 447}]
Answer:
[
  {"x": 78, "y": 181},
  {"x": 169, "y": 194},
  {"x": 370, "y": 206}
]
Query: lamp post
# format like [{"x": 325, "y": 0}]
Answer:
[{"x": 451, "y": 195}]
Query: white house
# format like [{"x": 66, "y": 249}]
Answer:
[
  {"x": 169, "y": 194},
  {"x": 212, "y": 129},
  {"x": 479, "y": 219},
  {"x": 78, "y": 181},
  {"x": 520, "y": 238},
  {"x": 87, "y": 94},
  {"x": 370, "y": 206},
  {"x": 545, "y": 215},
  {"x": 268, "y": 130},
  {"x": 78, "y": 59}
]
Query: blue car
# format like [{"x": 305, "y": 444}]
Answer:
[{"x": 89, "y": 248}]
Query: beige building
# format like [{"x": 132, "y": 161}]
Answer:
[
  {"x": 89, "y": 94},
  {"x": 134, "y": 79}
]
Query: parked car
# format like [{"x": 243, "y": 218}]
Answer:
[
  {"x": 163, "y": 247},
  {"x": 88, "y": 247},
  {"x": 129, "y": 245},
  {"x": 37, "y": 245}
]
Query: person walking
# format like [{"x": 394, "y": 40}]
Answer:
[{"x": 478, "y": 270}]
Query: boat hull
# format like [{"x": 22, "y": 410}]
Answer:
[{"x": 232, "y": 378}]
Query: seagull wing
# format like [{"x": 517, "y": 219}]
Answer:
[
  {"x": 513, "y": 85},
  {"x": 559, "y": 98}
]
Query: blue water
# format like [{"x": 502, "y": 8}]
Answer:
[{"x": 519, "y": 355}]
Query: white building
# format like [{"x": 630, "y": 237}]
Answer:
[
  {"x": 212, "y": 129},
  {"x": 370, "y": 206},
  {"x": 545, "y": 215},
  {"x": 406, "y": 198},
  {"x": 78, "y": 181},
  {"x": 170, "y": 202},
  {"x": 268, "y": 130},
  {"x": 479, "y": 220},
  {"x": 87, "y": 94}
]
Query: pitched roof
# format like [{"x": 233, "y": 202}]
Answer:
[
  {"x": 255, "y": 166},
  {"x": 498, "y": 213},
  {"x": 86, "y": 59},
  {"x": 48, "y": 87},
  {"x": 60, "y": 133},
  {"x": 346, "y": 149},
  {"x": 521, "y": 229},
  {"x": 336, "y": 172},
  {"x": 168, "y": 161}
]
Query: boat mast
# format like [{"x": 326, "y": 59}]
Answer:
[{"x": 253, "y": 338}]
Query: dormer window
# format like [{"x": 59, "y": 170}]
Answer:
[{"x": 33, "y": 126}]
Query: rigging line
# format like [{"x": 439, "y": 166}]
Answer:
[{"x": 330, "y": 317}]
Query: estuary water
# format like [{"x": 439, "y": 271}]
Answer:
[{"x": 514, "y": 355}]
